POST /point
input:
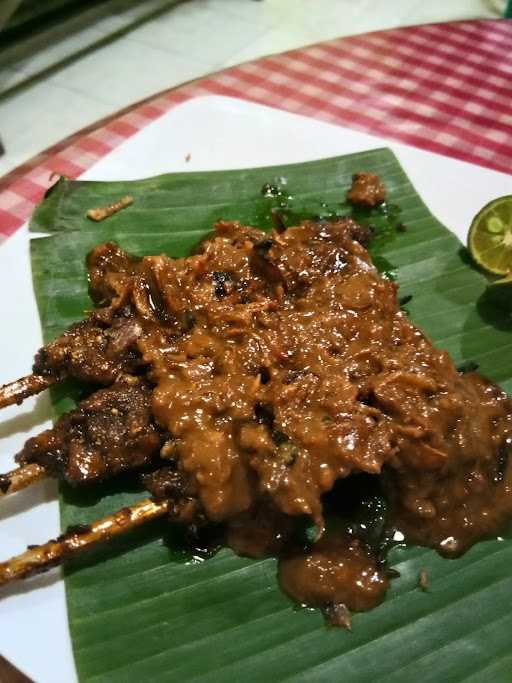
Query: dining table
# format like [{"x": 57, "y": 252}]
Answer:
[{"x": 444, "y": 88}]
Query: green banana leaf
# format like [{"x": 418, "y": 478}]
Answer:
[{"x": 141, "y": 609}]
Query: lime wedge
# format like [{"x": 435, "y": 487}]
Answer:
[{"x": 490, "y": 237}]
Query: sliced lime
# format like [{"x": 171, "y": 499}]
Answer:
[{"x": 490, "y": 236}]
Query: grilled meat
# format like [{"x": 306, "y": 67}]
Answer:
[
  {"x": 110, "y": 432},
  {"x": 276, "y": 366}
]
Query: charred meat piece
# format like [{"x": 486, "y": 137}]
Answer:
[
  {"x": 111, "y": 271},
  {"x": 167, "y": 483},
  {"x": 367, "y": 190},
  {"x": 263, "y": 264},
  {"x": 110, "y": 432},
  {"x": 91, "y": 351}
]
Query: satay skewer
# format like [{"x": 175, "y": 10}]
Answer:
[
  {"x": 20, "y": 478},
  {"x": 20, "y": 389},
  {"x": 41, "y": 558}
]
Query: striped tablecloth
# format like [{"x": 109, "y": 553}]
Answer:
[{"x": 446, "y": 88}]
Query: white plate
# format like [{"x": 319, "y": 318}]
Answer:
[{"x": 218, "y": 133}]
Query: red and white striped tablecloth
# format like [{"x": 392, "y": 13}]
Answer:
[{"x": 446, "y": 88}]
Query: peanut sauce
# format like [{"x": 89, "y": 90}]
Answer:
[{"x": 282, "y": 363}]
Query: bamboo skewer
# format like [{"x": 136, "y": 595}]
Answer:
[
  {"x": 21, "y": 477},
  {"x": 40, "y": 558},
  {"x": 20, "y": 389}
]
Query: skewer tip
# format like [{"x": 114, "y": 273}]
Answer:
[
  {"x": 16, "y": 392},
  {"x": 19, "y": 478},
  {"x": 41, "y": 558}
]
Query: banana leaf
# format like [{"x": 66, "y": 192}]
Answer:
[{"x": 142, "y": 608}]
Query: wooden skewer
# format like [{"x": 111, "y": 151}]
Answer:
[
  {"x": 20, "y": 478},
  {"x": 40, "y": 558},
  {"x": 20, "y": 389}
]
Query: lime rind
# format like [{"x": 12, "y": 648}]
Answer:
[{"x": 502, "y": 282}]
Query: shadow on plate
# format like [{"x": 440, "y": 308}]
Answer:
[
  {"x": 39, "y": 493},
  {"x": 31, "y": 584},
  {"x": 40, "y": 413}
]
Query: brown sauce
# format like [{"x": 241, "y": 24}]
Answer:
[
  {"x": 335, "y": 571},
  {"x": 283, "y": 363},
  {"x": 304, "y": 370},
  {"x": 367, "y": 190}
]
